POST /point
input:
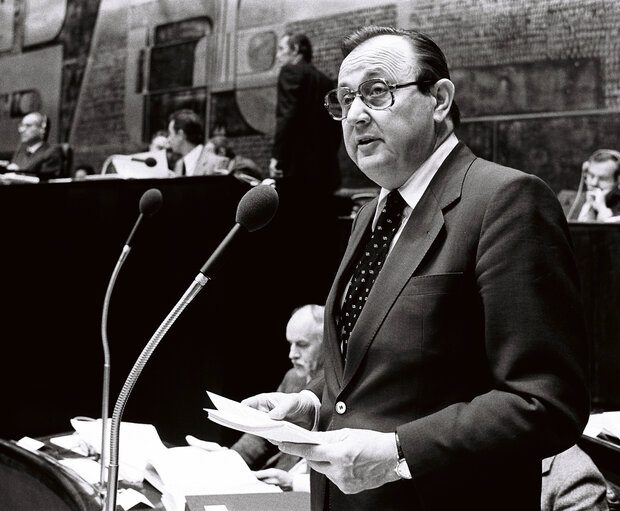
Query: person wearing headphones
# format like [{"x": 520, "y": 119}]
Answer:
[
  {"x": 602, "y": 177},
  {"x": 35, "y": 156}
]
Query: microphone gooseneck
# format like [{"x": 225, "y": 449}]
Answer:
[
  {"x": 150, "y": 203},
  {"x": 256, "y": 208}
]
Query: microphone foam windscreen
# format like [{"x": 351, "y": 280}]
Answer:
[
  {"x": 151, "y": 202},
  {"x": 150, "y": 162},
  {"x": 257, "y": 207}
]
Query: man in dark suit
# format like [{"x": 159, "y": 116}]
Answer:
[
  {"x": 464, "y": 365},
  {"x": 304, "y": 163},
  {"x": 306, "y": 141},
  {"x": 35, "y": 156}
]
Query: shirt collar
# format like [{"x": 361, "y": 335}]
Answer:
[
  {"x": 191, "y": 159},
  {"x": 34, "y": 147},
  {"x": 413, "y": 189}
]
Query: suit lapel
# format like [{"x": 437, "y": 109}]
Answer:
[{"x": 424, "y": 225}]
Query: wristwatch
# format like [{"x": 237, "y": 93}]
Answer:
[{"x": 401, "y": 468}]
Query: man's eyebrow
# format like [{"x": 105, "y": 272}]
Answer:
[{"x": 369, "y": 74}]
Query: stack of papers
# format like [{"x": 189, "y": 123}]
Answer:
[
  {"x": 606, "y": 423},
  {"x": 235, "y": 415}
]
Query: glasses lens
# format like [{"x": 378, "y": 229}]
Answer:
[
  {"x": 333, "y": 103},
  {"x": 376, "y": 93}
]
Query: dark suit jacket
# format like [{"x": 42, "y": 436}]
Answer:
[
  {"x": 471, "y": 344},
  {"x": 44, "y": 163},
  {"x": 306, "y": 140}
]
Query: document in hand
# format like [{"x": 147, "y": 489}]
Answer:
[{"x": 238, "y": 416}]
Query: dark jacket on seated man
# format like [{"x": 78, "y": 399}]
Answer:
[{"x": 45, "y": 162}]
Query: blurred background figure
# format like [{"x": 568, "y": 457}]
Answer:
[
  {"x": 222, "y": 146},
  {"x": 160, "y": 142},
  {"x": 601, "y": 173},
  {"x": 306, "y": 140},
  {"x": 35, "y": 156},
  {"x": 186, "y": 136},
  {"x": 82, "y": 170}
]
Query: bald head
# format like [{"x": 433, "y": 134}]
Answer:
[{"x": 304, "y": 332}]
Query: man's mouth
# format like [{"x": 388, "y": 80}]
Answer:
[{"x": 362, "y": 141}]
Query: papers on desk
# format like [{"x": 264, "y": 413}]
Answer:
[
  {"x": 13, "y": 177},
  {"x": 235, "y": 415},
  {"x": 182, "y": 471},
  {"x": 606, "y": 423},
  {"x": 138, "y": 443}
]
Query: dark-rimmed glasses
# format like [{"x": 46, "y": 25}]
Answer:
[{"x": 376, "y": 93}]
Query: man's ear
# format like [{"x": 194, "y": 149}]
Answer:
[
  {"x": 443, "y": 92},
  {"x": 585, "y": 166}
]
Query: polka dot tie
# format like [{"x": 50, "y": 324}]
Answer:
[{"x": 369, "y": 265}]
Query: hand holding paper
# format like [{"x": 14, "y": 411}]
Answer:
[{"x": 241, "y": 417}]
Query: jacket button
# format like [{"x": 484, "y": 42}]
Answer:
[{"x": 340, "y": 407}]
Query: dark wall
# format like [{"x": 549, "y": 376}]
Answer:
[{"x": 61, "y": 243}]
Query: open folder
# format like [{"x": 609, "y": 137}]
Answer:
[{"x": 238, "y": 416}]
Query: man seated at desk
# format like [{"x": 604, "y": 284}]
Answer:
[
  {"x": 185, "y": 135},
  {"x": 35, "y": 156},
  {"x": 304, "y": 332},
  {"x": 602, "y": 178}
]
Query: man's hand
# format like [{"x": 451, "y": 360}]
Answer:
[
  {"x": 276, "y": 476},
  {"x": 296, "y": 408},
  {"x": 353, "y": 459},
  {"x": 596, "y": 199}
]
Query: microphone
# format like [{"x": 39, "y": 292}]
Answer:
[
  {"x": 255, "y": 210},
  {"x": 149, "y": 162},
  {"x": 150, "y": 203}
]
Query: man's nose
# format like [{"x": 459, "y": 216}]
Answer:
[{"x": 358, "y": 112}]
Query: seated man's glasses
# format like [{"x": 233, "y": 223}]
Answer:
[{"x": 375, "y": 93}]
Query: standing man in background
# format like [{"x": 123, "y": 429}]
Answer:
[
  {"x": 304, "y": 164},
  {"x": 305, "y": 144},
  {"x": 35, "y": 156},
  {"x": 455, "y": 346}
]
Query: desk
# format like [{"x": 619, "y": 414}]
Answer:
[{"x": 287, "y": 501}]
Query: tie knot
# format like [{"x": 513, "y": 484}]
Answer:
[{"x": 394, "y": 205}]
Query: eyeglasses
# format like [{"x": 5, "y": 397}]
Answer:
[{"x": 375, "y": 93}]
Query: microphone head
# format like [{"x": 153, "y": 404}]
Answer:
[
  {"x": 150, "y": 202},
  {"x": 150, "y": 162},
  {"x": 257, "y": 207}
]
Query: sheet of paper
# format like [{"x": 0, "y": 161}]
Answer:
[
  {"x": 235, "y": 415},
  {"x": 30, "y": 444},
  {"x": 193, "y": 471},
  {"x": 128, "y": 498},
  {"x": 138, "y": 443}
]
